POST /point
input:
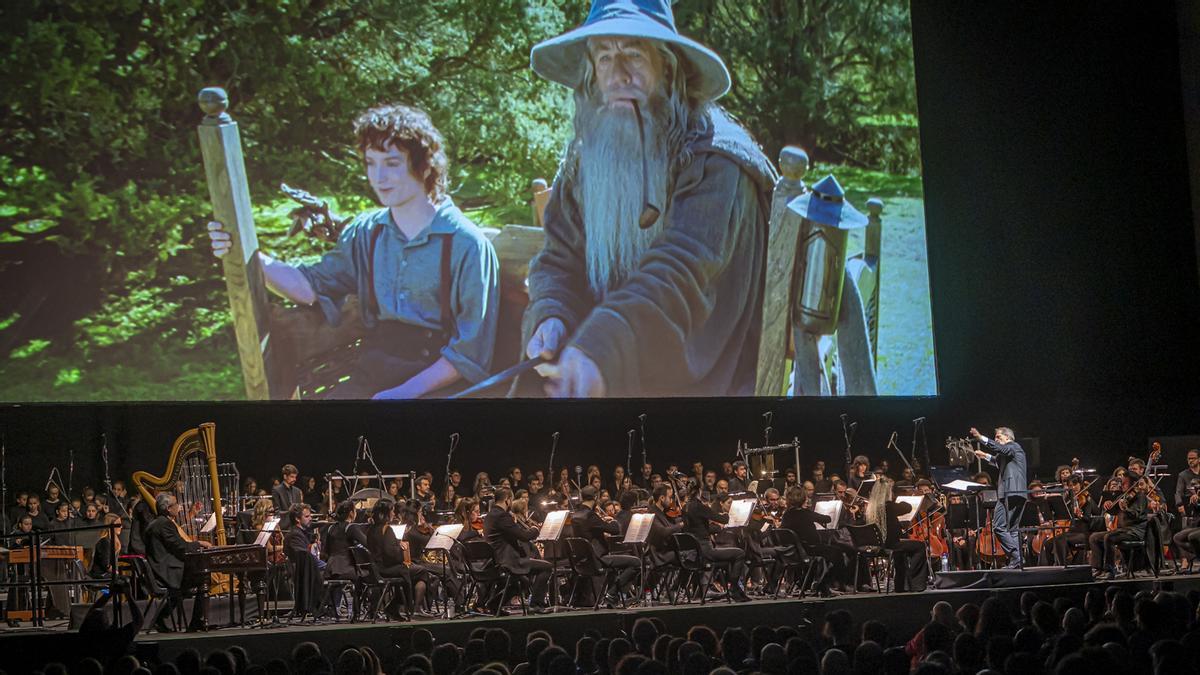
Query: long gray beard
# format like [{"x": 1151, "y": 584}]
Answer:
[{"x": 611, "y": 195}]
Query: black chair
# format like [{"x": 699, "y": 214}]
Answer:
[
  {"x": 696, "y": 568},
  {"x": 1130, "y": 548},
  {"x": 586, "y": 566},
  {"x": 487, "y": 573},
  {"x": 793, "y": 558},
  {"x": 868, "y": 544},
  {"x": 155, "y": 594},
  {"x": 376, "y": 590}
]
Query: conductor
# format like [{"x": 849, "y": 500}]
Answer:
[{"x": 1009, "y": 457}]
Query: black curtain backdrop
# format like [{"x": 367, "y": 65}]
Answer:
[{"x": 1062, "y": 260}]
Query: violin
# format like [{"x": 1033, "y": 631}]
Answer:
[{"x": 477, "y": 524}]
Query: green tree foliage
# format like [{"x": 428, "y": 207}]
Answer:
[{"x": 833, "y": 76}]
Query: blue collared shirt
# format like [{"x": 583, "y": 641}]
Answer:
[{"x": 408, "y": 280}]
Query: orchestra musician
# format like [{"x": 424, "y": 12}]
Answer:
[
  {"x": 286, "y": 493},
  {"x": 701, "y": 521},
  {"x": 1008, "y": 456},
  {"x": 1187, "y": 539},
  {"x": 505, "y": 536},
  {"x": 590, "y": 524},
  {"x": 391, "y": 556},
  {"x": 1185, "y": 496},
  {"x": 740, "y": 480},
  {"x": 803, "y": 521},
  {"x": 166, "y": 551},
  {"x": 859, "y": 470},
  {"x": 908, "y": 556},
  {"x": 339, "y": 538},
  {"x": 1132, "y": 521}
]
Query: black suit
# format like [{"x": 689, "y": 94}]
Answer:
[
  {"x": 336, "y": 551},
  {"x": 283, "y": 496},
  {"x": 506, "y": 538},
  {"x": 1011, "y": 491},
  {"x": 166, "y": 552},
  {"x": 594, "y": 528},
  {"x": 697, "y": 521}
]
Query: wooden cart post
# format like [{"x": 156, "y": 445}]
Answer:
[{"x": 225, "y": 170}]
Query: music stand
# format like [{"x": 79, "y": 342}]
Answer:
[
  {"x": 972, "y": 490},
  {"x": 635, "y": 535},
  {"x": 739, "y": 512},
  {"x": 549, "y": 534},
  {"x": 443, "y": 539}
]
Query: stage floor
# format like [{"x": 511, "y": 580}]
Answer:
[{"x": 903, "y": 613}]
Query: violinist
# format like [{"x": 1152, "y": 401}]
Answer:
[
  {"x": 424, "y": 495},
  {"x": 505, "y": 535},
  {"x": 1085, "y": 517},
  {"x": 908, "y": 557},
  {"x": 802, "y": 520},
  {"x": 390, "y": 555},
  {"x": 662, "y": 500},
  {"x": 1132, "y": 508},
  {"x": 859, "y": 472},
  {"x": 339, "y": 538},
  {"x": 594, "y": 525},
  {"x": 467, "y": 515},
  {"x": 701, "y": 521}
]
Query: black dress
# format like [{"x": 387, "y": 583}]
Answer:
[{"x": 909, "y": 559}]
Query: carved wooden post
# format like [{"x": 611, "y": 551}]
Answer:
[
  {"x": 874, "y": 258},
  {"x": 541, "y": 197},
  {"x": 221, "y": 146},
  {"x": 782, "y": 242}
]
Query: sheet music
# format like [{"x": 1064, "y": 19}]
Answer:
[
  {"x": 831, "y": 508},
  {"x": 210, "y": 524},
  {"x": 739, "y": 512},
  {"x": 398, "y": 530},
  {"x": 639, "y": 528},
  {"x": 265, "y": 535},
  {"x": 444, "y": 537},
  {"x": 915, "y": 502},
  {"x": 962, "y": 485},
  {"x": 552, "y": 526}
]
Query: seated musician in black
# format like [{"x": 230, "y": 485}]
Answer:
[
  {"x": 701, "y": 521},
  {"x": 802, "y": 520},
  {"x": 166, "y": 550},
  {"x": 589, "y": 524},
  {"x": 663, "y": 525},
  {"x": 1132, "y": 520},
  {"x": 339, "y": 539},
  {"x": 909, "y": 559},
  {"x": 505, "y": 536},
  {"x": 390, "y": 555}
]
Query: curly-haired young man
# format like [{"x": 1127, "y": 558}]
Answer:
[{"x": 426, "y": 276}]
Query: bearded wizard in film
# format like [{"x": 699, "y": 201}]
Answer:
[{"x": 651, "y": 278}]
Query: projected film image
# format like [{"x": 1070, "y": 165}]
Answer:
[{"x": 449, "y": 198}]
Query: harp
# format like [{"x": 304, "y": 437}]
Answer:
[{"x": 194, "y": 477}]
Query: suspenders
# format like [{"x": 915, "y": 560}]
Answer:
[{"x": 447, "y": 316}]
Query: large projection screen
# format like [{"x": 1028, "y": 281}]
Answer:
[{"x": 430, "y": 254}]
